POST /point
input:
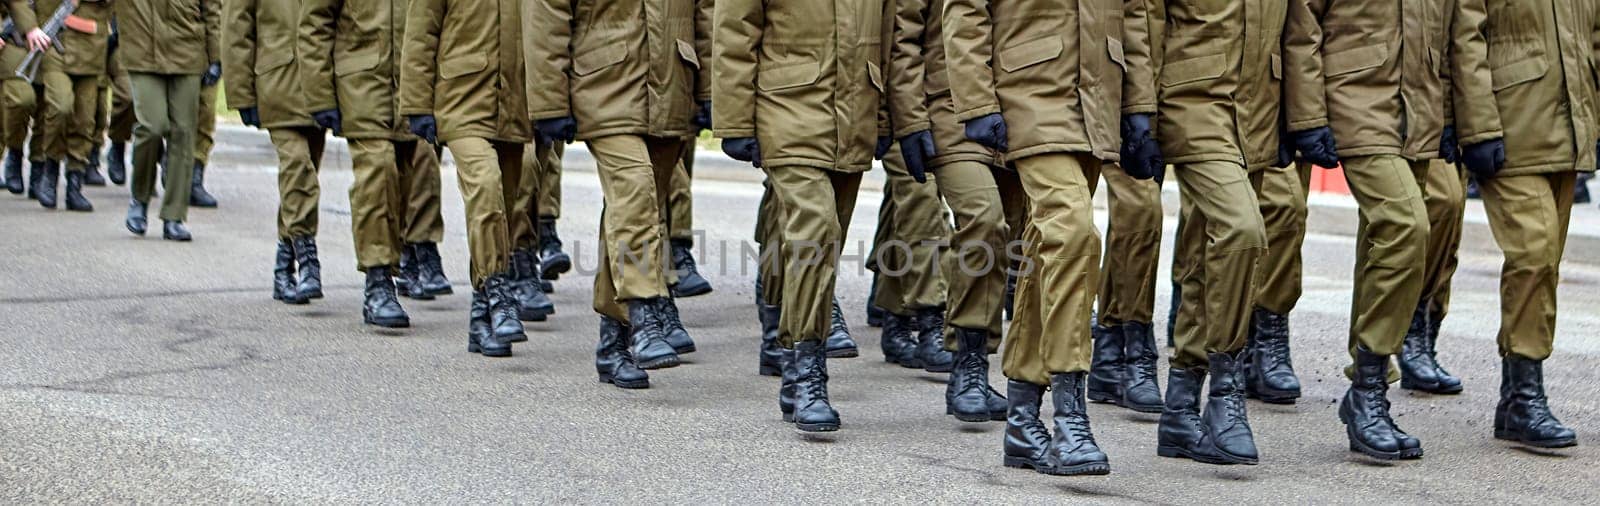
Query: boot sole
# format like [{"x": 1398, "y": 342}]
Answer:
[
  {"x": 971, "y": 417},
  {"x": 939, "y": 368},
  {"x": 474, "y": 348},
  {"x": 844, "y": 353},
  {"x": 816, "y": 427},
  {"x": 533, "y": 315},
  {"x": 519, "y": 338},
  {"x": 84, "y": 209},
  {"x": 1089, "y": 469},
  {"x": 1177, "y": 452},
  {"x": 1272, "y": 398},
  {"x": 555, "y": 269},
  {"x": 1021, "y": 463},
  {"x": 314, "y": 295},
  {"x": 395, "y": 323},
  {"x": 1547, "y": 443},
  {"x": 631, "y": 385},
  {"x": 1429, "y": 388},
  {"x": 666, "y": 362},
  {"x": 1357, "y": 446},
  {"x": 696, "y": 292},
  {"x": 291, "y": 300}
]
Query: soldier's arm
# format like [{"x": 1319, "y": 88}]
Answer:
[
  {"x": 1477, "y": 114},
  {"x": 239, "y": 53},
  {"x": 1139, "y": 81},
  {"x": 1444, "y": 65},
  {"x": 419, "y": 56},
  {"x": 1304, "y": 86},
  {"x": 703, "y": 26},
  {"x": 739, "y": 24},
  {"x": 22, "y": 16},
  {"x": 969, "y": 52},
  {"x": 908, "y": 90},
  {"x": 547, "y": 45},
  {"x": 314, "y": 52},
  {"x": 212, "y": 11}
]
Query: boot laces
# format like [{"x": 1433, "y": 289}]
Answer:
[
  {"x": 1275, "y": 352},
  {"x": 669, "y": 315},
  {"x": 973, "y": 373},
  {"x": 815, "y": 381}
]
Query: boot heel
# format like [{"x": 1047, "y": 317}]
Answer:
[{"x": 768, "y": 370}]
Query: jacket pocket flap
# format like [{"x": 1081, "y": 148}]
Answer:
[
  {"x": 1520, "y": 72},
  {"x": 599, "y": 58},
  {"x": 462, "y": 65},
  {"x": 686, "y": 51},
  {"x": 268, "y": 60},
  {"x": 876, "y": 75},
  {"x": 788, "y": 76},
  {"x": 356, "y": 62},
  {"x": 1028, "y": 54},
  {"x": 1114, "y": 49},
  {"x": 1354, "y": 60},
  {"x": 1194, "y": 69}
]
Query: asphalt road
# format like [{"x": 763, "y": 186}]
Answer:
[{"x": 139, "y": 370}]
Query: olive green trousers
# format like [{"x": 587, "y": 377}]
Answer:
[
  {"x": 165, "y": 107},
  {"x": 1282, "y": 192},
  {"x": 1391, "y": 249},
  {"x": 1444, "y": 192},
  {"x": 1133, "y": 249},
  {"x": 550, "y": 181},
  {"x": 488, "y": 173},
  {"x": 1529, "y": 216},
  {"x": 816, "y": 207},
  {"x": 1056, "y": 288},
  {"x": 299, "y": 153},
  {"x": 988, "y": 205},
  {"x": 635, "y": 178},
  {"x": 913, "y": 232},
  {"x": 1221, "y": 239}
]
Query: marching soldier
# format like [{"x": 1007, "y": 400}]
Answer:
[
  {"x": 680, "y": 210},
  {"x": 17, "y": 95},
  {"x": 71, "y": 80},
  {"x": 204, "y": 140},
  {"x": 1527, "y": 127},
  {"x": 1269, "y": 371},
  {"x": 119, "y": 128},
  {"x": 1444, "y": 195},
  {"x": 913, "y": 232}
]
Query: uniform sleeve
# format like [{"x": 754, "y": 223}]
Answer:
[
  {"x": 1304, "y": 87},
  {"x": 738, "y": 26},
  {"x": 419, "y": 62},
  {"x": 547, "y": 43},
  {"x": 314, "y": 52},
  {"x": 969, "y": 52},
  {"x": 1139, "y": 81},
  {"x": 22, "y": 16},
  {"x": 1444, "y": 65},
  {"x": 908, "y": 90},
  {"x": 703, "y": 11},
  {"x": 1477, "y": 113},
  {"x": 239, "y": 53},
  {"x": 212, "y": 11}
]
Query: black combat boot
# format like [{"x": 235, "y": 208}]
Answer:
[
  {"x": 116, "y": 162},
  {"x": 899, "y": 340},
  {"x": 1182, "y": 434},
  {"x": 198, "y": 196},
  {"x": 91, "y": 173},
  {"x": 480, "y": 339},
  {"x": 875, "y": 314},
  {"x": 812, "y": 412},
  {"x": 649, "y": 344},
  {"x": 690, "y": 283},
  {"x": 1269, "y": 369},
  {"x": 930, "y": 341},
  {"x": 1419, "y": 366},
  {"x": 552, "y": 261},
  {"x": 382, "y": 306},
  {"x": 532, "y": 304},
  {"x": 967, "y": 393},
  {"x": 136, "y": 220},
  {"x": 612, "y": 360},
  {"x": 430, "y": 269},
  {"x": 173, "y": 230},
  {"x": 672, "y": 325},
  {"x": 35, "y": 177},
  {"x": 1072, "y": 449},
  {"x": 74, "y": 197},
  {"x": 46, "y": 187},
  {"x": 770, "y": 361},
  {"x": 14, "y": 182},
  {"x": 1141, "y": 389},
  {"x": 786, "y": 384},
  {"x": 407, "y": 282},
  {"x": 1027, "y": 438},
  {"x": 305, "y": 255},
  {"x": 840, "y": 344},
  {"x": 283, "y": 282},
  {"x": 1226, "y": 420},
  {"x": 1106, "y": 364},
  {"x": 503, "y": 322},
  {"x": 1523, "y": 414},
  {"x": 1365, "y": 412}
]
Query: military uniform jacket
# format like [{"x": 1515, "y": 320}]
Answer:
[
  {"x": 1526, "y": 73},
  {"x": 919, "y": 87},
  {"x": 258, "y": 61},
  {"x": 22, "y": 18},
  {"x": 348, "y": 52},
  {"x": 178, "y": 37},
  {"x": 85, "y": 53},
  {"x": 618, "y": 66},
  {"x": 805, "y": 78},
  {"x": 1221, "y": 81},
  {"x": 1055, "y": 68},
  {"x": 463, "y": 64}
]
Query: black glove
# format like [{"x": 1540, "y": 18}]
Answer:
[
  {"x": 1449, "y": 149},
  {"x": 111, "y": 41},
  {"x": 250, "y": 116},
  {"x": 1285, "y": 151},
  {"x": 744, "y": 149},
  {"x": 702, "y": 117},
  {"x": 990, "y": 131},
  {"x": 328, "y": 119},
  {"x": 917, "y": 149},
  {"x": 1486, "y": 158},
  {"x": 1316, "y": 146},
  {"x": 1141, "y": 155},
  {"x": 424, "y": 126},
  {"x": 212, "y": 75},
  {"x": 557, "y": 129}
]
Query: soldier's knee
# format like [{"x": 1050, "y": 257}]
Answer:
[
  {"x": 1398, "y": 231},
  {"x": 1247, "y": 231}
]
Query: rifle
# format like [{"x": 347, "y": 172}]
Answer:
[
  {"x": 29, "y": 69},
  {"x": 8, "y": 33}
]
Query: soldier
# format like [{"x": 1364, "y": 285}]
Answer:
[
  {"x": 913, "y": 231},
  {"x": 168, "y": 53},
  {"x": 265, "y": 86},
  {"x": 527, "y": 285},
  {"x": 1444, "y": 195},
  {"x": 1050, "y": 102},
  {"x": 769, "y": 291},
  {"x": 1526, "y": 125},
  {"x": 17, "y": 95},
  {"x": 204, "y": 140},
  {"x": 463, "y": 87},
  {"x": 70, "y": 81},
  {"x": 1269, "y": 372},
  {"x": 679, "y": 210},
  {"x": 119, "y": 127}
]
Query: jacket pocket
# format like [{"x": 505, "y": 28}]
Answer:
[
  {"x": 1028, "y": 54},
  {"x": 266, "y": 61},
  {"x": 686, "y": 51},
  {"x": 1204, "y": 68},
  {"x": 1114, "y": 49},
  {"x": 875, "y": 75},
  {"x": 599, "y": 58},
  {"x": 1354, "y": 60},
  {"x": 788, "y": 76},
  {"x": 356, "y": 62},
  {"x": 1517, "y": 73},
  {"x": 462, "y": 65}
]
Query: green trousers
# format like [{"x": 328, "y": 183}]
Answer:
[
  {"x": 421, "y": 193},
  {"x": 1055, "y": 290},
  {"x": 523, "y": 232},
  {"x": 1222, "y": 237},
  {"x": 206, "y": 124},
  {"x": 165, "y": 107},
  {"x": 1529, "y": 216},
  {"x": 19, "y": 102},
  {"x": 1444, "y": 192},
  {"x": 69, "y": 113},
  {"x": 987, "y": 204},
  {"x": 1391, "y": 249},
  {"x": 769, "y": 238},
  {"x": 377, "y": 209},
  {"x": 1282, "y": 192},
  {"x": 1133, "y": 249},
  {"x": 488, "y": 173},
  {"x": 299, "y": 160},
  {"x": 680, "y": 204},
  {"x": 635, "y": 178},
  {"x": 550, "y": 181},
  {"x": 816, "y": 209},
  {"x": 122, "y": 117},
  {"x": 909, "y": 250}
]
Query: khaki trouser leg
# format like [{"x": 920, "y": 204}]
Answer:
[
  {"x": 1133, "y": 249},
  {"x": 19, "y": 106},
  {"x": 1529, "y": 216},
  {"x": 817, "y": 206},
  {"x": 635, "y": 174},
  {"x": 421, "y": 192},
  {"x": 122, "y": 118},
  {"x": 1391, "y": 249},
  {"x": 59, "y": 100},
  {"x": 523, "y": 211},
  {"x": 80, "y": 127},
  {"x": 36, "y": 137},
  {"x": 102, "y": 111},
  {"x": 1056, "y": 292},
  {"x": 206, "y": 125},
  {"x": 1282, "y": 194},
  {"x": 888, "y": 294},
  {"x": 1444, "y": 192},
  {"x": 680, "y": 204},
  {"x": 375, "y": 209},
  {"x": 164, "y": 106},
  {"x": 299, "y": 159},
  {"x": 550, "y": 181},
  {"x": 917, "y": 239},
  {"x": 1223, "y": 236},
  {"x": 769, "y": 235},
  {"x": 486, "y": 189},
  {"x": 976, "y": 270}
]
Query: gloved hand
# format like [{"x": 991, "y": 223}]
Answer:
[
  {"x": 328, "y": 119},
  {"x": 1285, "y": 151},
  {"x": 917, "y": 149},
  {"x": 1317, "y": 146},
  {"x": 1486, "y": 158},
  {"x": 557, "y": 129},
  {"x": 702, "y": 117},
  {"x": 744, "y": 149},
  {"x": 1141, "y": 155},
  {"x": 1449, "y": 149},
  {"x": 990, "y": 131},
  {"x": 212, "y": 75},
  {"x": 250, "y": 116},
  {"x": 882, "y": 149},
  {"x": 424, "y": 126}
]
